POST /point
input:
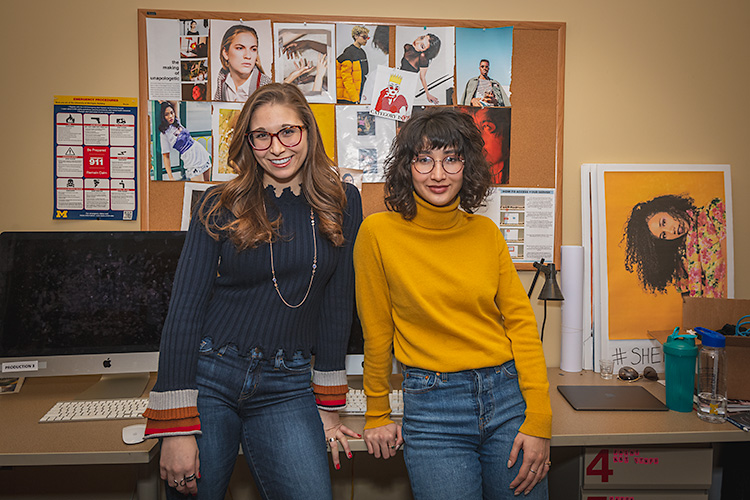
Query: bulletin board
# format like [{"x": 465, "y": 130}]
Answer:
[{"x": 537, "y": 88}]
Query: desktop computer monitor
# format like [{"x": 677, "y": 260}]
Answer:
[{"x": 75, "y": 303}]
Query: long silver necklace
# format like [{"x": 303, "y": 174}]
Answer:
[{"x": 314, "y": 267}]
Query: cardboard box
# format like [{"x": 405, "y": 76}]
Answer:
[{"x": 714, "y": 314}]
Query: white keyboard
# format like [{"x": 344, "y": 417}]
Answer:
[
  {"x": 356, "y": 403},
  {"x": 101, "y": 409}
]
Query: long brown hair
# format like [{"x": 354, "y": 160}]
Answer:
[{"x": 244, "y": 195}]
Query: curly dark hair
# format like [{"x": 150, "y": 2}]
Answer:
[
  {"x": 657, "y": 262},
  {"x": 436, "y": 128}
]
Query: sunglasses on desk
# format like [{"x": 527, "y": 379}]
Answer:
[{"x": 630, "y": 374}]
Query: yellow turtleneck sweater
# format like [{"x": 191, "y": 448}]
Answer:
[{"x": 442, "y": 292}]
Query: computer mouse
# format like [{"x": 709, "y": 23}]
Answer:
[
  {"x": 133, "y": 434},
  {"x": 650, "y": 373},
  {"x": 627, "y": 373}
]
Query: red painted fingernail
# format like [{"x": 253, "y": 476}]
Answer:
[
  {"x": 338, "y": 466},
  {"x": 359, "y": 435},
  {"x": 349, "y": 455}
]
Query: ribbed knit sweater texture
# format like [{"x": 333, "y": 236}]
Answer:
[
  {"x": 229, "y": 296},
  {"x": 442, "y": 293}
]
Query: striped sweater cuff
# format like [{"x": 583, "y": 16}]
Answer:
[
  {"x": 330, "y": 389},
  {"x": 168, "y": 428},
  {"x": 172, "y": 405},
  {"x": 172, "y": 413}
]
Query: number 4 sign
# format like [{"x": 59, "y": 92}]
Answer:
[{"x": 599, "y": 466}]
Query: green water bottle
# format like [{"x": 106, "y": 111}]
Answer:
[{"x": 680, "y": 353}]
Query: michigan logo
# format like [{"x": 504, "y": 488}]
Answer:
[{"x": 61, "y": 214}]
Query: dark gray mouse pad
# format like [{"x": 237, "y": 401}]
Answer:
[{"x": 610, "y": 397}]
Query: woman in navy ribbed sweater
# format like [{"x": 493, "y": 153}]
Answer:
[{"x": 265, "y": 280}]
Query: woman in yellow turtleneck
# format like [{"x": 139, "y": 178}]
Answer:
[{"x": 436, "y": 286}]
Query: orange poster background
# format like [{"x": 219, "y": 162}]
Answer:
[
  {"x": 327, "y": 124},
  {"x": 633, "y": 311}
]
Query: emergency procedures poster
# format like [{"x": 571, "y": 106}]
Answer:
[{"x": 95, "y": 158}]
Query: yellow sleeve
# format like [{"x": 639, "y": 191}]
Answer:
[
  {"x": 374, "y": 308},
  {"x": 521, "y": 329},
  {"x": 346, "y": 72}
]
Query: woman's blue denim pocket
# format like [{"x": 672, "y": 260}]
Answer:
[
  {"x": 298, "y": 364},
  {"x": 508, "y": 369},
  {"x": 418, "y": 381}
]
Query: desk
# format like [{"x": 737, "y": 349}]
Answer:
[
  {"x": 26, "y": 442},
  {"x": 573, "y": 430},
  {"x": 623, "y": 428}
]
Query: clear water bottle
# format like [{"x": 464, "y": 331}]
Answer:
[{"x": 712, "y": 376}]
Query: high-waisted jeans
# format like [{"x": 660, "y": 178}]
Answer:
[
  {"x": 458, "y": 431},
  {"x": 267, "y": 406}
]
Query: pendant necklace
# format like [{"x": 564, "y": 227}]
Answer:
[{"x": 314, "y": 266}]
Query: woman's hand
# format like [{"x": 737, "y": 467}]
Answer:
[
  {"x": 320, "y": 72},
  {"x": 384, "y": 441},
  {"x": 179, "y": 465},
  {"x": 167, "y": 165},
  {"x": 300, "y": 68},
  {"x": 423, "y": 78},
  {"x": 294, "y": 49},
  {"x": 336, "y": 433},
  {"x": 535, "y": 464}
]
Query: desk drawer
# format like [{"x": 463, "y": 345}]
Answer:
[
  {"x": 643, "y": 495},
  {"x": 647, "y": 468}
]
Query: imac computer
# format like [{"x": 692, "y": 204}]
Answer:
[{"x": 76, "y": 303}]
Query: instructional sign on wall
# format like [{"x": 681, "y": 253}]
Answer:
[
  {"x": 95, "y": 153},
  {"x": 526, "y": 216}
]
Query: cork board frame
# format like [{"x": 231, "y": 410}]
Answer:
[{"x": 537, "y": 118}]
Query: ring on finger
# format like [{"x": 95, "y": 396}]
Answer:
[
  {"x": 331, "y": 440},
  {"x": 189, "y": 478},
  {"x": 176, "y": 483},
  {"x": 548, "y": 464},
  {"x": 532, "y": 471}
]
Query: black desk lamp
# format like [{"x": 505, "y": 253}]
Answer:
[{"x": 550, "y": 290}]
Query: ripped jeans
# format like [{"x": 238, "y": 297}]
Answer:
[{"x": 267, "y": 406}]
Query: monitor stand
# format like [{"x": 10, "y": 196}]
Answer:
[{"x": 117, "y": 386}]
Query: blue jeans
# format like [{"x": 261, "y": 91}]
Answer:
[
  {"x": 458, "y": 431},
  {"x": 267, "y": 406}
]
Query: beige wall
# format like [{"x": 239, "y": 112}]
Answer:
[{"x": 646, "y": 82}]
